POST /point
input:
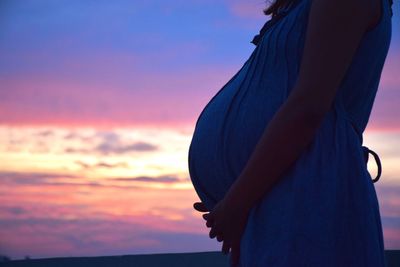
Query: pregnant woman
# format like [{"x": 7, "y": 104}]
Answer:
[{"x": 277, "y": 156}]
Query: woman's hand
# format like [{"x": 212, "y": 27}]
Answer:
[{"x": 227, "y": 221}]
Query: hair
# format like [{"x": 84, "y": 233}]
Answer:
[{"x": 273, "y": 8}]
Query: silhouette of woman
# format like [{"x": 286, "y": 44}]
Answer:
[{"x": 276, "y": 157}]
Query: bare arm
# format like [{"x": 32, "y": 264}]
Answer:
[{"x": 335, "y": 28}]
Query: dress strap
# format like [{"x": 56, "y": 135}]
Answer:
[{"x": 377, "y": 160}]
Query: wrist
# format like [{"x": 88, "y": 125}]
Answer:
[{"x": 237, "y": 198}]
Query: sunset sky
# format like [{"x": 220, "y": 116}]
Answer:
[{"x": 98, "y": 103}]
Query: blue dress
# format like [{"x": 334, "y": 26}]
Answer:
[{"x": 324, "y": 211}]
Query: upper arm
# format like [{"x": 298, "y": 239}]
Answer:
[{"x": 334, "y": 31}]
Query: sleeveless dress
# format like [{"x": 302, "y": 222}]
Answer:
[{"x": 324, "y": 211}]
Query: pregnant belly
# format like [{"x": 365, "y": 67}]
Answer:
[{"x": 225, "y": 135}]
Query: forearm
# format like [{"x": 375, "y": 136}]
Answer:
[{"x": 288, "y": 133}]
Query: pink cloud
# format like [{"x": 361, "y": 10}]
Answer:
[
  {"x": 44, "y": 220},
  {"x": 142, "y": 97},
  {"x": 117, "y": 90},
  {"x": 390, "y": 79},
  {"x": 392, "y": 238}
]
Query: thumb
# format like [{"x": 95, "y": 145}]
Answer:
[{"x": 199, "y": 206}]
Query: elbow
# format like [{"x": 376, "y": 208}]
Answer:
[
  {"x": 311, "y": 114},
  {"x": 314, "y": 114},
  {"x": 308, "y": 109}
]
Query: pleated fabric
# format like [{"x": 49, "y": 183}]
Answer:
[{"x": 324, "y": 211}]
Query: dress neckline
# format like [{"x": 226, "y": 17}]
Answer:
[{"x": 282, "y": 12}]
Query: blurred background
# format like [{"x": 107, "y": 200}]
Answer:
[{"x": 98, "y": 103}]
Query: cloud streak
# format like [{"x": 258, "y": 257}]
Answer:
[
  {"x": 162, "y": 179},
  {"x": 107, "y": 148},
  {"x": 47, "y": 179}
]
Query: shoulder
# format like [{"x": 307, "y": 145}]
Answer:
[
  {"x": 363, "y": 12},
  {"x": 334, "y": 31},
  {"x": 375, "y": 7}
]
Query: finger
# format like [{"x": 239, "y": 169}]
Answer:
[
  {"x": 235, "y": 253},
  {"x": 213, "y": 232},
  {"x": 200, "y": 206},
  {"x": 225, "y": 247},
  {"x": 209, "y": 223},
  {"x": 219, "y": 238},
  {"x": 206, "y": 216}
]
